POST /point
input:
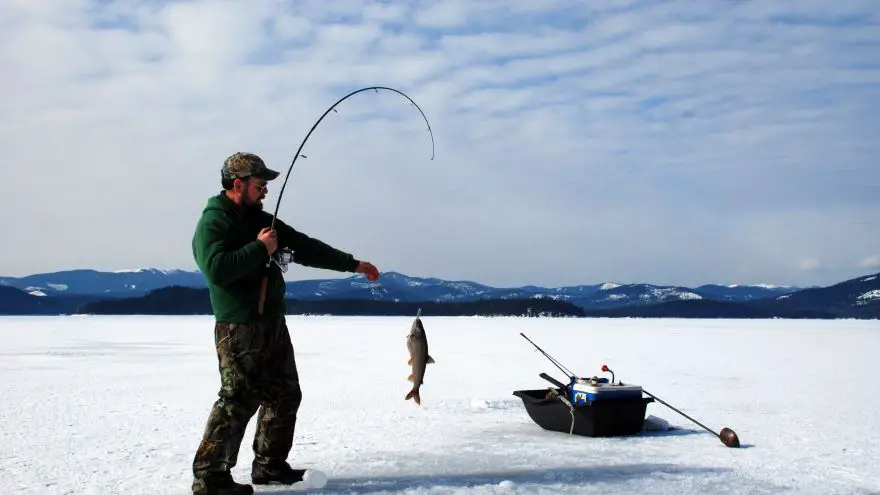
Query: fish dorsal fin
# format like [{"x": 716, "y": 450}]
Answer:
[{"x": 430, "y": 359}]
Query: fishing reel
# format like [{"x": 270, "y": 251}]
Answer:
[{"x": 282, "y": 257}]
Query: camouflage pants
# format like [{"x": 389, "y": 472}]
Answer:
[{"x": 257, "y": 368}]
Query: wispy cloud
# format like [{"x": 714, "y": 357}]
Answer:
[
  {"x": 674, "y": 142},
  {"x": 871, "y": 262},
  {"x": 809, "y": 264}
]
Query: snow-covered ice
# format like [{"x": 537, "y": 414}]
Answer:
[{"x": 117, "y": 405}]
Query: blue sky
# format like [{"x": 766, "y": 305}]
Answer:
[{"x": 669, "y": 142}]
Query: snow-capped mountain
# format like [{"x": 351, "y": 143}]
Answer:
[
  {"x": 120, "y": 283},
  {"x": 392, "y": 286},
  {"x": 854, "y": 296},
  {"x": 136, "y": 290},
  {"x": 741, "y": 292}
]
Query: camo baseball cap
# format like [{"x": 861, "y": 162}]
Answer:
[{"x": 243, "y": 164}]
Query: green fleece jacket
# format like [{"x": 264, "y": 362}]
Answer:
[{"x": 232, "y": 260}]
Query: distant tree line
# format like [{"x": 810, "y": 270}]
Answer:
[{"x": 190, "y": 301}]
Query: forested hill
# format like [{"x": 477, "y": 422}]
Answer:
[{"x": 186, "y": 300}]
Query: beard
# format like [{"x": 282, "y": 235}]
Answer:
[
  {"x": 249, "y": 207},
  {"x": 256, "y": 205}
]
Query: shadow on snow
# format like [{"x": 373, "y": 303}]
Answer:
[{"x": 549, "y": 476}]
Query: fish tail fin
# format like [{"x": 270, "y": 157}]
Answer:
[{"x": 414, "y": 395}]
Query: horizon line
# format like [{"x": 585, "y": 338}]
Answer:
[{"x": 349, "y": 275}]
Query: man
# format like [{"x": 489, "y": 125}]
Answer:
[{"x": 232, "y": 245}]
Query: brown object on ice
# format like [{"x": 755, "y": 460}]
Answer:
[{"x": 728, "y": 437}]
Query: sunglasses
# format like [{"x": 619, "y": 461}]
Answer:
[{"x": 260, "y": 187}]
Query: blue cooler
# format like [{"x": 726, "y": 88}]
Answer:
[{"x": 589, "y": 390}]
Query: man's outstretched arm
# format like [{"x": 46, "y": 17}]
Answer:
[{"x": 308, "y": 251}]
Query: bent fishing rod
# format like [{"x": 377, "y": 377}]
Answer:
[
  {"x": 282, "y": 263},
  {"x": 333, "y": 108}
]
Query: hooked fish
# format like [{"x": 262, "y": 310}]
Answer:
[{"x": 417, "y": 343}]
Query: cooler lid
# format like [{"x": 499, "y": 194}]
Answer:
[{"x": 604, "y": 387}]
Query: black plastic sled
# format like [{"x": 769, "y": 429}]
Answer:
[
  {"x": 602, "y": 418},
  {"x": 590, "y": 407}
]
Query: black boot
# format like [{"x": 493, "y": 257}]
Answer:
[
  {"x": 219, "y": 484},
  {"x": 277, "y": 472}
]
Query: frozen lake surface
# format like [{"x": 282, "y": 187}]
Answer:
[{"x": 103, "y": 404}]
